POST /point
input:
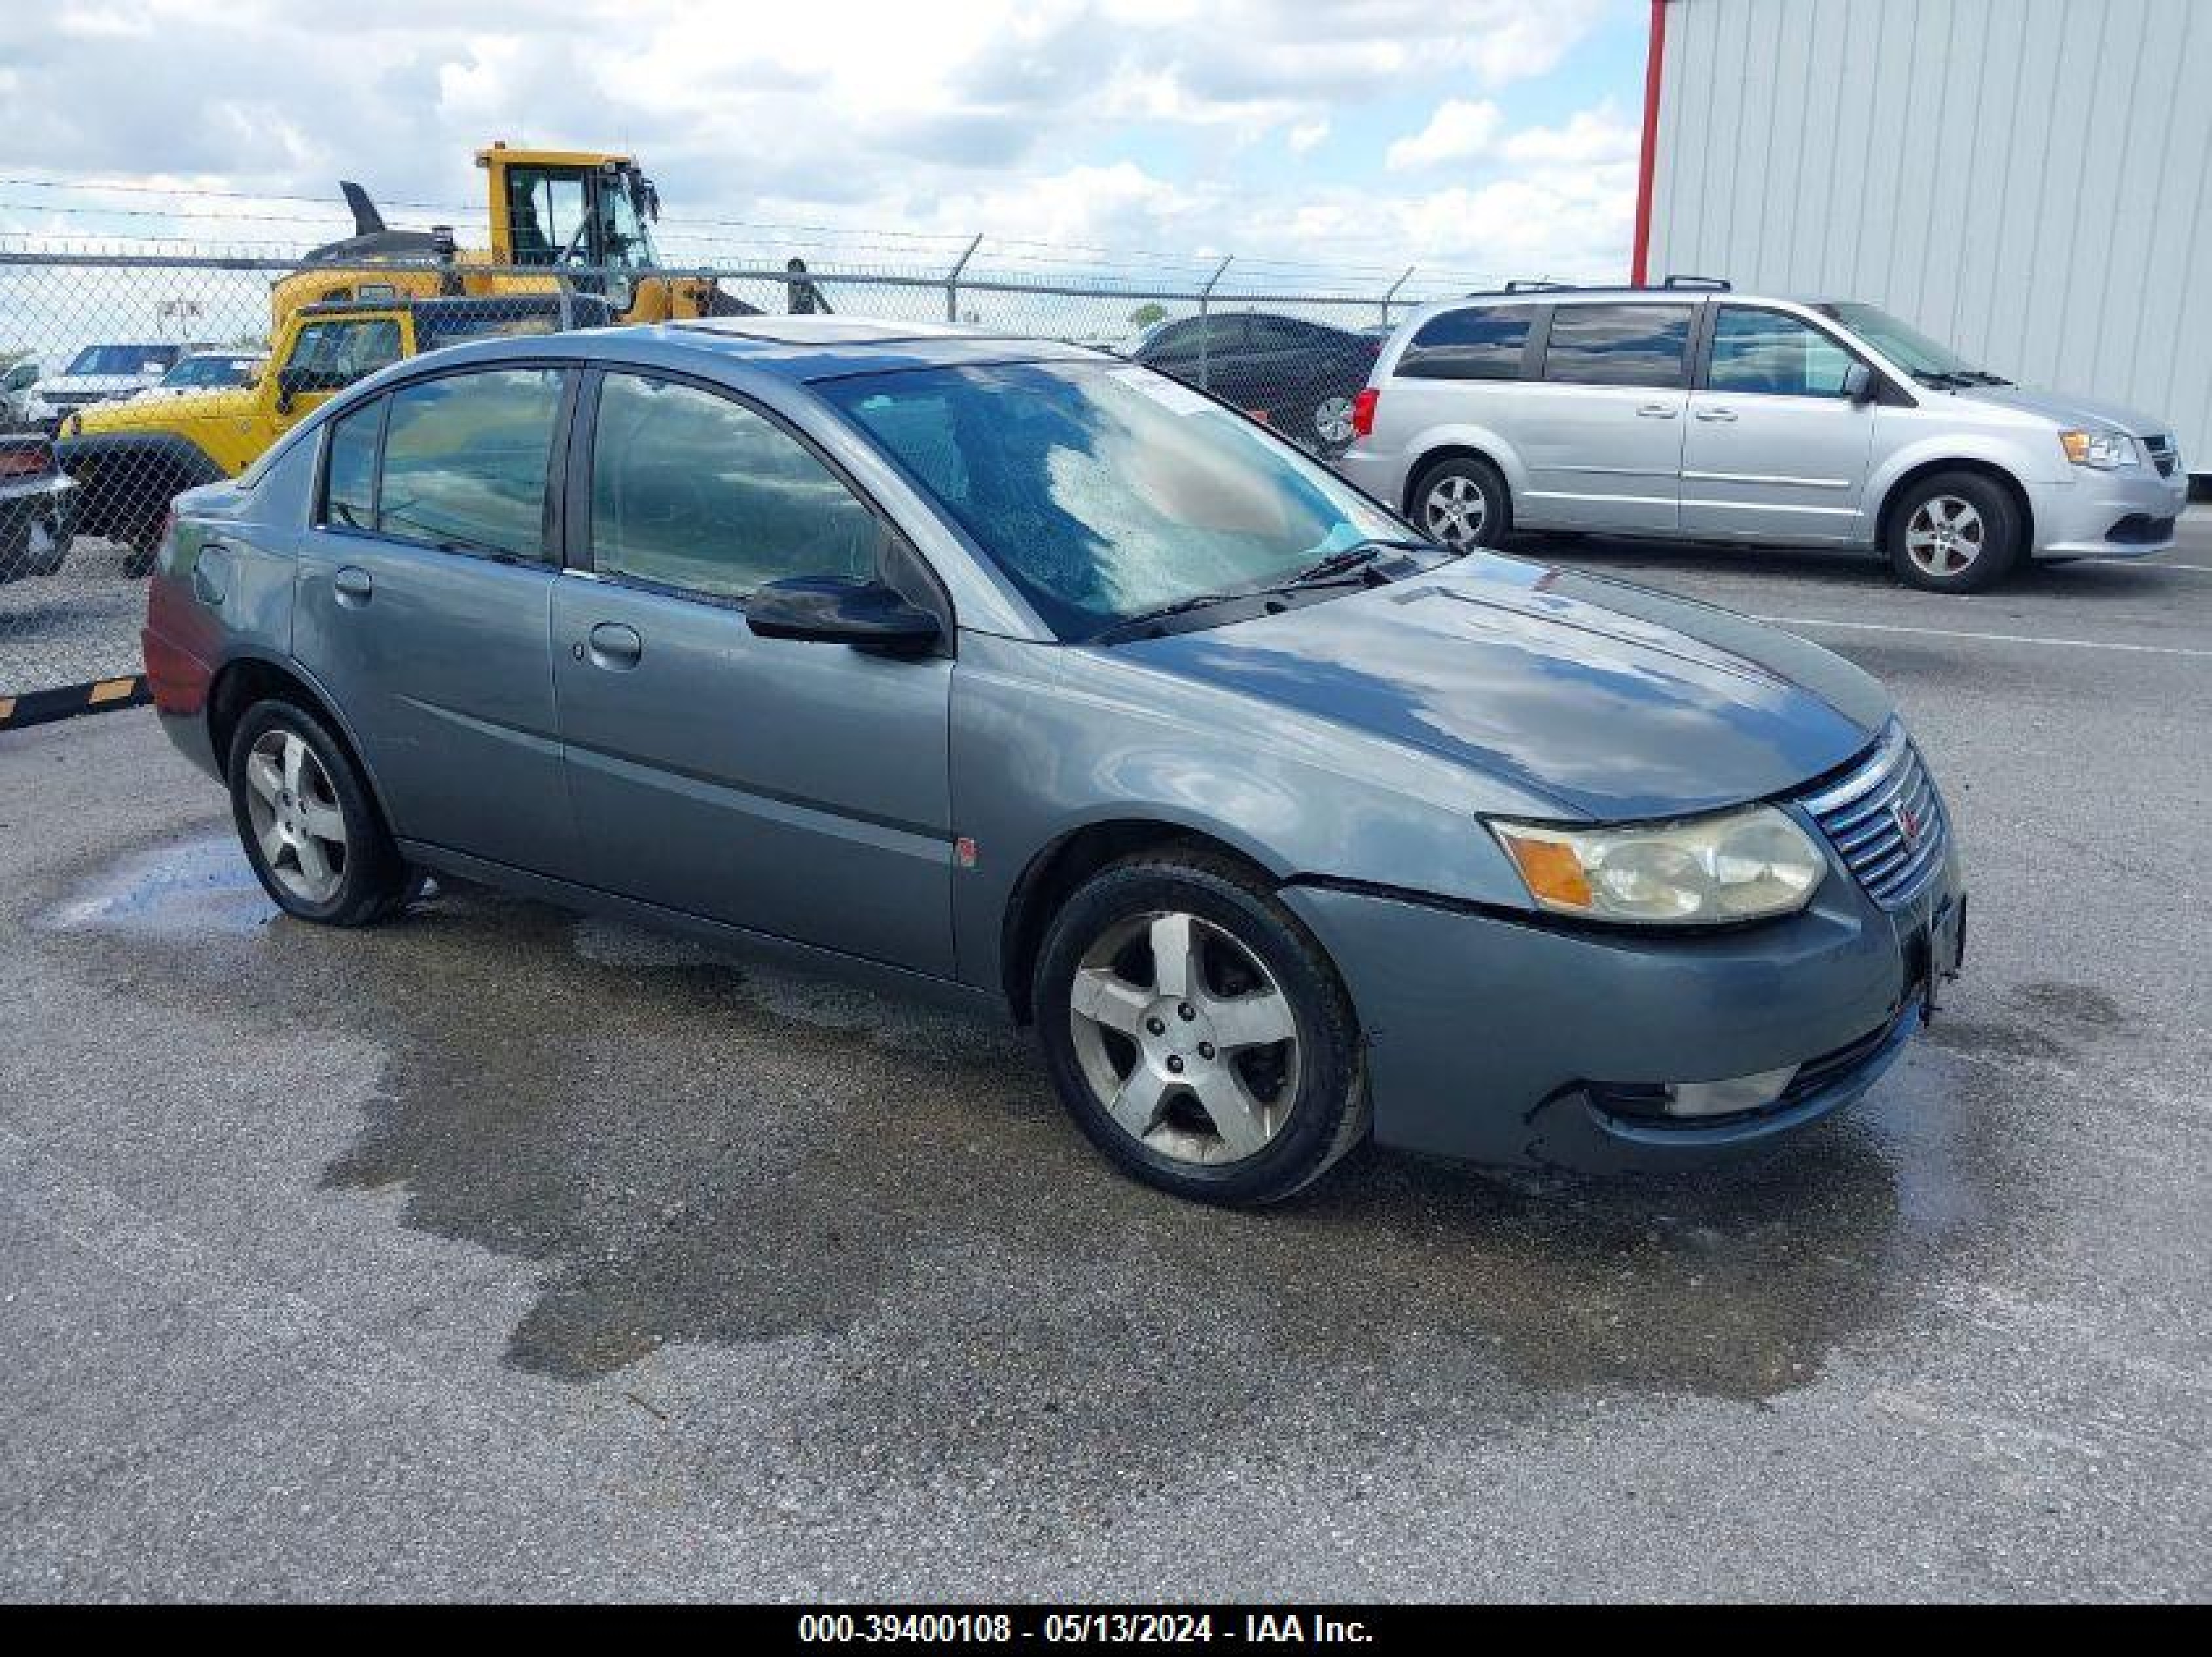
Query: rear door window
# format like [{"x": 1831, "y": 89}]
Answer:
[
  {"x": 349, "y": 468},
  {"x": 1482, "y": 342},
  {"x": 464, "y": 461},
  {"x": 1618, "y": 345}
]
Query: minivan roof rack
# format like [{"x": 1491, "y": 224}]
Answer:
[{"x": 1521, "y": 285}]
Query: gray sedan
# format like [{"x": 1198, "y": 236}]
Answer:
[{"x": 1009, "y": 672}]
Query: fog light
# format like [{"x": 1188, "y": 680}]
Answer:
[{"x": 1730, "y": 1097}]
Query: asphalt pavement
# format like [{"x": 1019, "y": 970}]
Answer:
[{"x": 502, "y": 1253}]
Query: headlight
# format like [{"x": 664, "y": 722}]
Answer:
[
  {"x": 1737, "y": 866},
  {"x": 2106, "y": 450}
]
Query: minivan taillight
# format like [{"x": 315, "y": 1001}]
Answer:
[{"x": 1362, "y": 411}]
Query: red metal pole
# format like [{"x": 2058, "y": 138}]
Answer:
[{"x": 1654, "y": 58}]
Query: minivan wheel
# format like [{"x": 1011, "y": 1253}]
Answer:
[
  {"x": 1462, "y": 503},
  {"x": 1197, "y": 1032},
  {"x": 309, "y": 827},
  {"x": 1953, "y": 532}
]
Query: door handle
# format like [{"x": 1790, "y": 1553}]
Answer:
[
  {"x": 611, "y": 645},
  {"x": 353, "y": 586},
  {"x": 1657, "y": 411},
  {"x": 1717, "y": 414}
]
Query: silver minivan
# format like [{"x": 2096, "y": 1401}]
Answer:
[{"x": 1695, "y": 412}]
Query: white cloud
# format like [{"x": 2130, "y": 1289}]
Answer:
[
  {"x": 1457, "y": 132},
  {"x": 1022, "y": 119},
  {"x": 1590, "y": 137}
]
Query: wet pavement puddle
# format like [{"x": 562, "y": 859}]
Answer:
[{"x": 694, "y": 1150}]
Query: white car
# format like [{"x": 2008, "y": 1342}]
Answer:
[{"x": 101, "y": 374}]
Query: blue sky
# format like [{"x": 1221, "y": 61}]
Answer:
[{"x": 1477, "y": 138}]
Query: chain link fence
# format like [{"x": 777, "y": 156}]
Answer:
[{"x": 125, "y": 378}]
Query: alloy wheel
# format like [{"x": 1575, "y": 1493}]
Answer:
[
  {"x": 1944, "y": 535},
  {"x": 1456, "y": 510},
  {"x": 1332, "y": 420},
  {"x": 1185, "y": 1038},
  {"x": 295, "y": 816}
]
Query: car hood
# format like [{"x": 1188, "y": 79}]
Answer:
[
  {"x": 174, "y": 412},
  {"x": 2065, "y": 411},
  {"x": 1615, "y": 701}
]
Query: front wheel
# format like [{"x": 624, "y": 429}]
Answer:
[
  {"x": 309, "y": 827},
  {"x": 1463, "y": 504},
  {"x": 1197, "y": 1033},
  {"x": 1954, "y": 532}
]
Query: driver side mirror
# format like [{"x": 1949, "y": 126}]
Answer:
[
  {"x": 836, "y": 610},
  {"x": 1858, "y": 383}
]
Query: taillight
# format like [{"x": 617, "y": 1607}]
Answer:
[
  {"x": 25, "y": 459},
  {"x": 1362, "y": 411}
]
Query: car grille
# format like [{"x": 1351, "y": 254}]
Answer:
[
  {"x": 1886, "y": 820},
  {"x": 2162, "y": 452}
]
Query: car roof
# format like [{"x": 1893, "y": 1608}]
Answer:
[{"x": 793, "y": 347}]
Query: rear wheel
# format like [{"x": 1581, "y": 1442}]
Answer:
[
  {"x": 1954, "y": 532},
  {"x": 309, "y": 827},
  {"x": 1462, "y": 502},
  {"x": 1331, "y": 423},
  {"x": 1197, "y": 1033}
]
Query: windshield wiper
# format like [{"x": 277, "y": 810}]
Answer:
[
  {"x": 1130, "y": 627},
  {"x": 1980, "y": 376},
  {"x": 1347, "y": 560},
  {"x": 1340, "y": 568}
]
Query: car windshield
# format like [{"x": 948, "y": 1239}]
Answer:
[
  {"x": 209, "y": 371},
  {"x": 1109, "y": 492},
  {"x": 1906, "y": 346},
  {"x": 120, "y": 358}
]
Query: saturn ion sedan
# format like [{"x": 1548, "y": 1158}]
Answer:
[{"x": 1018, "y": 674}]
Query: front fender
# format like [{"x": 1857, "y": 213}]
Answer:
[
  {"x": 127, "y": 476},
  {"x": 2013, "y": 459},
  {"x": 1048, "y": 741}
]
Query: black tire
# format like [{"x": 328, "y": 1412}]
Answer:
[
  {"x": 373, "y": 882},
  {"x": 144, "y": 542},
  {"x": 1329, "y": 1112},
  {"x": 1990, "y": 537},
  {"x": 1467, "y": 477}
]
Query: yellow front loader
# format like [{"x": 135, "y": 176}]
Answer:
[{"x": 583, "y": 217}]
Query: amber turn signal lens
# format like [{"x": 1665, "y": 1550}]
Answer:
[{"x": 1553, "y": 871}]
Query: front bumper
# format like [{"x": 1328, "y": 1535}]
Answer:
[
  {"x": 2129, "y": 514},
  {"x": 36, "y": 522},
  {"x": 1504, "y": 1040}
]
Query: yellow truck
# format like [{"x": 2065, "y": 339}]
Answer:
[
  {"x": 582, "y": 216},
  {"x": 130, "y": 459}
]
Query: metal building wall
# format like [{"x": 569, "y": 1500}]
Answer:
[{"x": 2026, "y": 179}]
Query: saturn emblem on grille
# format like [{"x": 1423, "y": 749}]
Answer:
[{"x": 1908, "y": 824}]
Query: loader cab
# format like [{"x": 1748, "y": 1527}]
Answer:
[{"x": 588, "y": 212}]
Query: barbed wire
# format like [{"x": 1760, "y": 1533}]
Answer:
[{"x": 692, "y": 232}]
